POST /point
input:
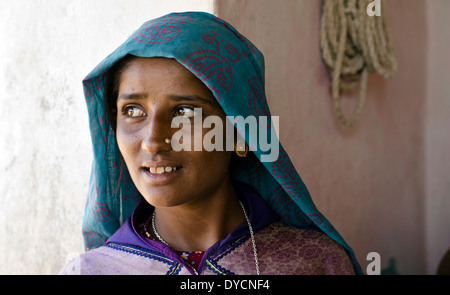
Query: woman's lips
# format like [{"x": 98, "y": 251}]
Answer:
[{"x": 159, "y": 175}]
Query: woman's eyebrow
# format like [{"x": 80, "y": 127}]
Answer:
[
  {"x": 189, "y": 98},
  {"x": 132, "y": 96},
  {"x": 174, "y": 97}
]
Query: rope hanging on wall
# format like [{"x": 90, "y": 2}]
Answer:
[{"x": 353, "y": 45}]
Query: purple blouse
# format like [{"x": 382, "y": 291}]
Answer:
[{"x": 281, "y": 249}]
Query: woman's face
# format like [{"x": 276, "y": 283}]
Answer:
[{"x": 152, "y": 91}]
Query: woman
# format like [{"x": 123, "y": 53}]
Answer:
[{"x": 154, "y": 209}]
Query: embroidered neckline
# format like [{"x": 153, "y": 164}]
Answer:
[{"x": 193, "y": 258}]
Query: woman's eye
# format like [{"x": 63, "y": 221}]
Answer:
[
  {"x": 133, "y": 112},
  {"x": 185, "y": 111}
]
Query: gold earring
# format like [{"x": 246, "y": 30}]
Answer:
[
  {"x": 168, "y": 140},
  {"x": 241, "y": 148}
]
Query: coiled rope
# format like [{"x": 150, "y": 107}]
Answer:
[{"x": 353, "y": 45}]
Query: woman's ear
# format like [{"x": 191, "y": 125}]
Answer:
[{"x": 240, "y": 146}]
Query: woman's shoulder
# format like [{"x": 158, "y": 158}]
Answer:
[
  {"x": 305, "y": 250},
  {"x": 279, "y": 232},
  {"x": 93, "y": 262},
  {"x": 108, "y": 260},
  {"x": 84, "y": 263}
]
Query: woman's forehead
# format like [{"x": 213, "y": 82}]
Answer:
[{"x": 159, "y": 66}]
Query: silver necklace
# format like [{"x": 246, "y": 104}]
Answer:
[{"x": 249, "y": 227}]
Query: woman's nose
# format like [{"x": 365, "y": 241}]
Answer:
[{"x": 155, "y": 133}]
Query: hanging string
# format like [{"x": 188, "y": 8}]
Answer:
[{"x": 353, "y": 45}]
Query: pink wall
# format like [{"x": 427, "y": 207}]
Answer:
[
  {"x": 368, "y": 180},
  {"x": 437, "y": 139}
]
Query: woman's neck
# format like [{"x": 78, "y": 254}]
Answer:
[{"x": 199, "y": 224}]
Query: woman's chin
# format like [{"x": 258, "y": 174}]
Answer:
[{"x": 164, "y": 196}]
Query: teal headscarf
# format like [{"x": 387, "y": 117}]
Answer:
[{"x": 233, "y": 69}]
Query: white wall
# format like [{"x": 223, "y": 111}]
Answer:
[{"x": 46, "y": 49}]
